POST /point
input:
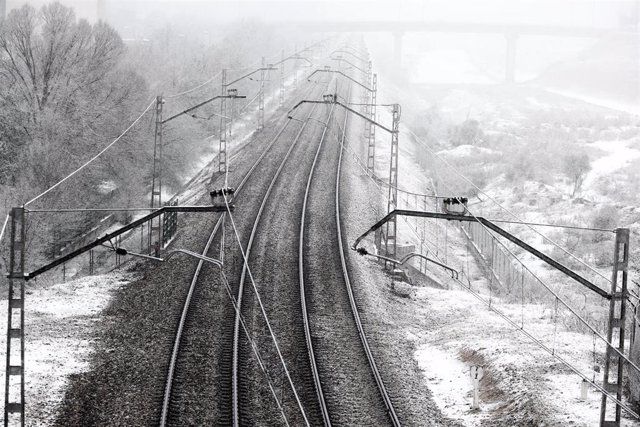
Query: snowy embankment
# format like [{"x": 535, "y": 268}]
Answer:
[
  {"x": 60, "y": 327},
  {"x": 450, "y": 330},
  {"x": 61, "y": 318}
]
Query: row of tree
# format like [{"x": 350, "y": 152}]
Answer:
[{"x": 68, "y": 87}]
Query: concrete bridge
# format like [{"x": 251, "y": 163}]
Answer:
[{"x": 511, "y": 33}]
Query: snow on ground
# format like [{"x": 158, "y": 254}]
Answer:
[
  {"x": 452, "y": 329},
  {"x": 521, "y": 372},
  {"x": 618, "y": 154},
  {"x": 613, "y": 104},
  {"x": 60, "y": 330},
  {"x": 61, "y": 318}
]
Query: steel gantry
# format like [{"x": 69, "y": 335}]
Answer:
[
  {"x": 370, "y": 131},
  {"x": 390, "y": 235},
  {"x": 155, "y": 224},
  {"x": 615, "y": 359},
  {"x": 14, "y": 398}
]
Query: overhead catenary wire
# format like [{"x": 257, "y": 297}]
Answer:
[
  {"x": 264, "y": 313},
  {"x": 547, "y": 349},
  {"x": 193, "y": 89},
  {"x": 559, "y": 298},
  {"x": 461, "y": 175},
  {"x": 254, "y": 346},
  {"x": 91, "y": 160}
]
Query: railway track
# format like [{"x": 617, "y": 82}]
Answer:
[
  {"x": 179, "y": 394},
  {"x": 229, "y": 388},
  {"x": 353, "y": 392},
  {"x": 279, "y": 207}
]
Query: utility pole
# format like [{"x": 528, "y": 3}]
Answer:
[
  {"x": 366, "y": 101},
  {"x": 295, "y": 67},
  {"x": 15, "y": 331},
  {"x": 261, "y": 96},
  {"x": 371, "y": 136},
  {"x": 222, "y": 146},
  {"x": 282, "y": 78},
  {"x": 391, "y": 232},
  {"x": 155, "y": 224},
  {"x": 616, "y": 328}
]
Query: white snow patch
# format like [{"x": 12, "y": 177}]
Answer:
[{"x": 450, "y": 384}]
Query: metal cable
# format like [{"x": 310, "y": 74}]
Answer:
[
  {"x": 502, "y": 207},
  {"x": 264, "y": 313},
  {"x": 254, "y": 346},
  {"x": 94, "y": 157}
]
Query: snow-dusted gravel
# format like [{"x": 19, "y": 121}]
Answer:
[{"x": 61, "y": 322}]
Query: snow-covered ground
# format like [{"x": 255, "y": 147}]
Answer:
[
  {"x": 454, "y": 330},
  {"x": 60, "y": 330},
  {"x": 61, "y": 318}
]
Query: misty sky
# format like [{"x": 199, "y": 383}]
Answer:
[{"x": 567, "y": 12}]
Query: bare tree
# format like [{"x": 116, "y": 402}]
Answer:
[
  {"x": 576, "y": 166},
  {"x": 48, "y": 57}
]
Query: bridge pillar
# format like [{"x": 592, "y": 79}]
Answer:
[
  {"x": 510, "y": 63},
  {"x": 397, "y": 48},
  {"x": 101, "y": 10}
]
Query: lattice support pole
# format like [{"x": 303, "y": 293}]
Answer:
[
  {"x": 261, "y": 96},
  {"x": 222, "y": 140},
  {"x": 295, "y": 67},
  {"x": 155, "y": 224},
  {"x": 170, "y": 224},
  {"x": 614, "y": 363},
  {"x": 366, "y": 95},
  {"x": 281, "y": 98},
  {"x": 391, "y": 230},
  {"x": 14, "y": 368},
  {"x": 371, "y": 141}
]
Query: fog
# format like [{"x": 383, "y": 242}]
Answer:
[{"x": 148, "y": 13}]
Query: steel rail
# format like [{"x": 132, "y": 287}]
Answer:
[
  {"x": 303, "y": 299},
  {"x": 239, "y": 298},
  {"x": 187, "y": 304},
  {"x": 354, "y": 308}
]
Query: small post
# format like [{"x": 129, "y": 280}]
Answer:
[
  {"x": 13, "y": 370},
  {"x": 476, "y": 373},
  {"x": 584, "y": 388}
]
